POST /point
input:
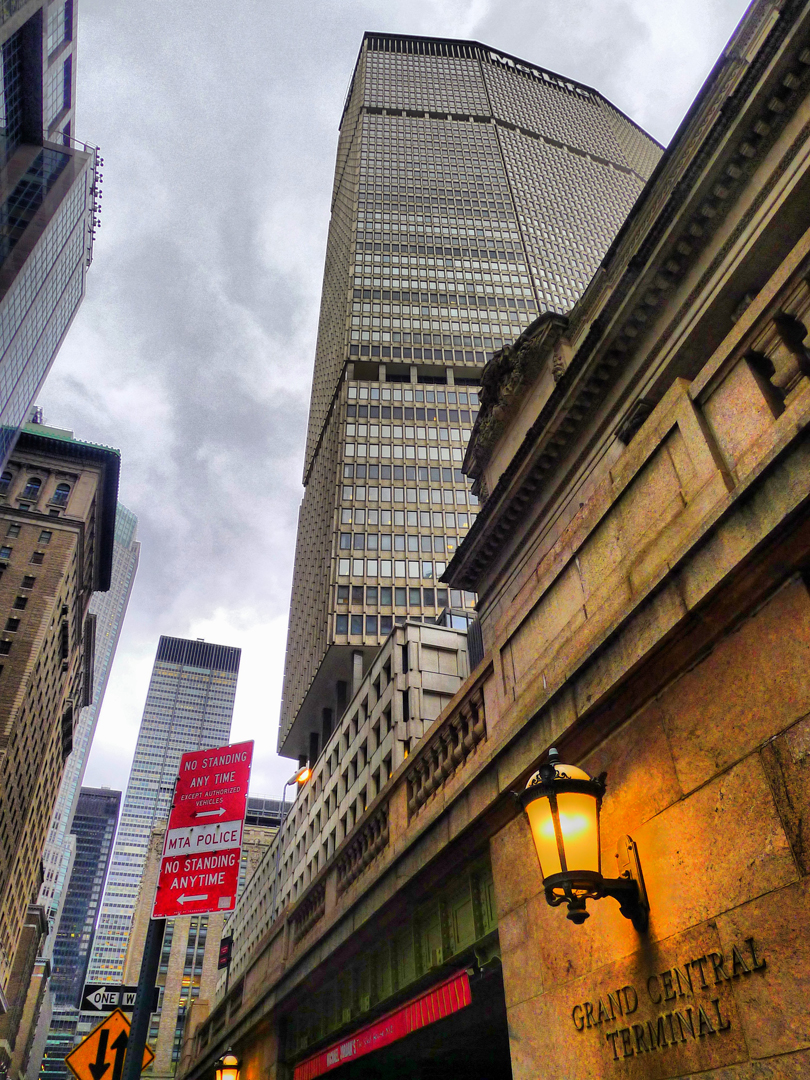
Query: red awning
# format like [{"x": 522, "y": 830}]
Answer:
[{"x": 442, "y": 1000}]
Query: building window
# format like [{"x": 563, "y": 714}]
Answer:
[
  {"x": 32, "y": 488},
  {"x": 5, "y": 648},
  {"x": 19, "y": 603},
  {"x": 45, "y": 536},
  {"x": 61, "y": 495},
  {"x": 12, "y": 625},
  {"x": 357, "y": 624},
  {"x": 5, "y": 481},
  {"x": 28, "y": 582},
  {"x": 60, "y": 24},
  {"x": 342, "y": 624},
  {"x": 37, "y": 558},
  {"x": 5, "y": 552},
  {"x": 13, "y": 530}
]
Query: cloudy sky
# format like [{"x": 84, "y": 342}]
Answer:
[{"x": 193, "y": 349}]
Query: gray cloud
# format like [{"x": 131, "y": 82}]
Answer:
[{"x": 193, "y": 349}]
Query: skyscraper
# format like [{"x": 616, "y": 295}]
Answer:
[
  {"x": 109, "y": 609},
  {"x": 189, "y": 706},
  {"x": 472, "y": 191},
  {"x": 49, "y": 200},
  {"x": 57, "y": 513},
  {"x": 94, "y": 822}
]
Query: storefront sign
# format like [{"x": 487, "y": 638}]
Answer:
[
  {"x": 441, "y": 1001},
  {"x": 615, "y": 1014}
]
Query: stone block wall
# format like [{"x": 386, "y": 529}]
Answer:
[{"x": 712, "y": 781}]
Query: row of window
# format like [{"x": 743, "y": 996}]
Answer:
[
  {"x": 422, "y": 519},
  {"x": 424, "y": 473},
  {"x": 397, "y": 393},
  {"x": 37, "y": 558},
  {"x": 409, "y": 451},
  {"x": 435, "y": 496},
  {"x": 395, "y": 412},
  {"x": 33, "y": 489},
  {"x": 386, "y": 568},
  {"x": 396, "y": 596},
  {"x": 400, "y": 541},
  {"x": 20, "y": 602}
]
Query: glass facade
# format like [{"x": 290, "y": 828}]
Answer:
[
  {"x": 48, "y": 205},
  {"x": 93, "y": 828},
  {"x": 11, "y": 105},
  {"x": 189, "y": 706},
  {"x": 472, "y": 192}
]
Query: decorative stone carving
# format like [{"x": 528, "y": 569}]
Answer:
[
  {"x": 510, "y": 371},
  {"x": 364, "y": 848},
  {"x": 447, "y": 751}
]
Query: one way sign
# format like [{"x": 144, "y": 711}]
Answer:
[
  {"x": 105, "y": 997},
  {"x": 102, "y": 1054}
]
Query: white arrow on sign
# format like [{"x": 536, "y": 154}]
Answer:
[
  {"x": 188, "y": 899},
  {"x": 99, "y": 998},
  {"x": 211, "y": 813}
]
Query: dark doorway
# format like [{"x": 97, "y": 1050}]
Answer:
[{"x": 472, "y": 1044}]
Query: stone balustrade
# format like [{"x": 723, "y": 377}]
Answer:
[
  {"x": 447, "y": 750},
  {"x": 309, "y": 912},
  {"x": 371, "y": 839}
]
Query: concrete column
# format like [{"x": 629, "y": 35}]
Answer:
[{"x": 357, "y": 671}]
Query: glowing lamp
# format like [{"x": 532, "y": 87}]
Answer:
[
  {"x": 228, "y": 1066},
  {"x": 562, "y": 803}
]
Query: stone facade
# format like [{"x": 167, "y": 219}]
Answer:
[
  {"x": 642, "y": 560},
  {"x": 57, "y": 517},
  {"x": 415, "y": 674}
]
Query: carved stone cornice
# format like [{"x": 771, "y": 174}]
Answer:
[
  {"x": 504, "y": 381},
  {"x": 635, "y": 278}
]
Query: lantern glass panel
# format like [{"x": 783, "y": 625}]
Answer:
[
  {"x": 539, "y": 813},
  {"x": 580, "y": 831}
]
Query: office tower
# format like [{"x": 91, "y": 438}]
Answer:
[
  {"x": 49, "y": 200},
  {"x": 189, "y": 706},
  {"x": 188, "y": 973},
  {"x": 109, "y": 609},
  {"x": 94, "y": 822},
  {"x": 57, "y": 518},
  {"x": 472, "y": 191}
]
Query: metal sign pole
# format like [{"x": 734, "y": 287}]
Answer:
[{"x": 147, "y": 981}]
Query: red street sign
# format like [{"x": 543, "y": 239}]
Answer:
[
  {"x": 225, "y": 952},
  {"x": 199, "y": 870}
]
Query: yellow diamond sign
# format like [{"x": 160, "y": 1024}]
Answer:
[{"x": 101, "y": 1055}]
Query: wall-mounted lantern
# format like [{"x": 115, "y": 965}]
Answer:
[
  {"x": 562, "y": 804},
  {"x": 228, "y": 1066}
]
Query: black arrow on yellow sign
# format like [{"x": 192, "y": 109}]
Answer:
[
  {"x": 100, "y": 1066},
  {"x": 104, "y": 1049}
]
